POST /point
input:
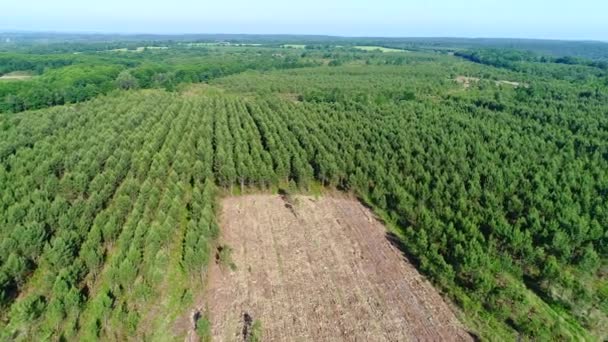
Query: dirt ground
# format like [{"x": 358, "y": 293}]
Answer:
[
  {"x": 466, "y": 81},
  {"x": 319, "y": 270}
]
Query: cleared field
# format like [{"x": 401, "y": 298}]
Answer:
[
  {"x": 220, "y": 44},
  {"x": 140, "y": 49},
  {"x": 319, "y": 270},
  {"x": 467, "y": 81},
  {"x": 378, "y": 48},
  {"x": 294, "y": 46},
  {"x": 16, "y": 76}
]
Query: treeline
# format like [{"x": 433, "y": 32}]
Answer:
[
  {"x": 43, "y": 43},
  {"x": 507, "y": 58},
  {"x": 71, "y": 84},
  {"x": 18, "y": 62},
  {"x": 593, "y": 50},
  {"x": 567, "y": 67}
]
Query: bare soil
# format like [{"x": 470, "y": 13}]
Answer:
[
  {"x": 466, "y": 81},
  {"x": 16, "y": 76},
  {"x": 319, "y": 270}
]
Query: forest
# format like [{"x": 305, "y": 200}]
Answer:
[{"x": 490, "y": 163}]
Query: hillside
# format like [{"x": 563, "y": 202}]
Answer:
[{"x": 496, "y": 188}]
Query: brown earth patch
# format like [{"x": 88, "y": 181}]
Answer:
[
  {"x": 319, "y": 270},
  {"x": 466, "y": 81},
  {"x": 511, "y": 83}
]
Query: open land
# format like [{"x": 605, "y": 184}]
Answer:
[{"x": 319, "y": 270}]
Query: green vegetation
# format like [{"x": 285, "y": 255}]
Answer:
[
  {"x": 108, "y": 207},
  {"x": 203, "y": 329},
  {"x": 224, "y": 257},
  {"x": 256, "y": 331},
  {"x": 69, "y": 78}
]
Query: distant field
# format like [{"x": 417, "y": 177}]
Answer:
[
  {"x": 467, "y": 81},
  {"x": 380, "y": 48},
  {"x": 220, "y": 44},
  {"x": 140, "y": 49},
  {"x": 17, "y": 76},
  {"x": 294, "y": 46}
]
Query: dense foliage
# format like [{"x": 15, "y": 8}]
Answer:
[
  {"x": 498, "y": 188},
  {"x": 59, "y": 79},
  {"x": 572, "y": 68}
]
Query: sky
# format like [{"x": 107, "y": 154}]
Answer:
[{"x": 550, "y": 19}]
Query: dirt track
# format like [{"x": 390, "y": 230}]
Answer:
[{"x": 324, "y": 271}]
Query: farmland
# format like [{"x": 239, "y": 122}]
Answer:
[{"x": 140, "y": 193}]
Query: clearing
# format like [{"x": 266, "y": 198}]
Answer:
[
  {"x": 467, "y": 81},
  {"x": 294, "y": 46},
  {"x": 17, "y": 76},
  {"x": 318, "y": 269},
  {"x": 511, "y": 83},
  {"x": 378, "y": 48},
  {"x": 139, "y": 49}
]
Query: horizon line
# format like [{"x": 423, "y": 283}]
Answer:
[{"x": 143, "y": 33}]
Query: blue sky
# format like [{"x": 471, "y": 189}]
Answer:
[{"x": 556, "y": 19}]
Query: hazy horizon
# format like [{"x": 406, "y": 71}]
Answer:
[
  {"x": 519, "y": 19},
  {"x": 278, "y": 34}
]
